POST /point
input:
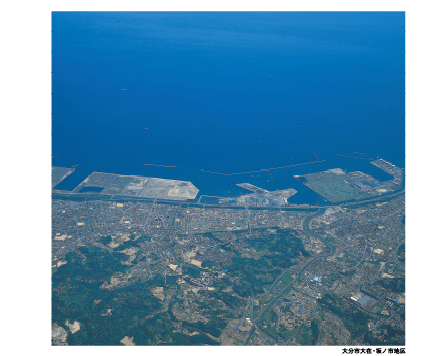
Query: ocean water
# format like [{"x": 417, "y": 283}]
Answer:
[{"x": 224, "y": 92}]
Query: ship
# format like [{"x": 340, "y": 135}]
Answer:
[
  {"x": 300, "y": 123},
  {"x": 144, "y": 128}
]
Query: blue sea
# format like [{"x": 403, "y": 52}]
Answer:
[{"x": 224, "y": 92}]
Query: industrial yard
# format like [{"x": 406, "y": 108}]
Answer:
[
  {"x": 336, "y": 185},
  {"x": 137, "y": 186},
  {"x": 58, "y": 174}
]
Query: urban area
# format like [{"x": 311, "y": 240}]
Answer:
[{"x": 254, "y": 270}]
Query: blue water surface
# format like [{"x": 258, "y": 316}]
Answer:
[{"x": 224, "y": 92}]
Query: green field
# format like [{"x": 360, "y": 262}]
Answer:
[{"x": 286, "y": 277}]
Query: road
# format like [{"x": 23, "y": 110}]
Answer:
[
  {"x": 306, "y": 227},
  {"x": 285, "y": 290}
]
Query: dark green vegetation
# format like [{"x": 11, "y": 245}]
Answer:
[
  {"x": 208, "y": 264},
  {"x": 387, "y": 335},
  {"x": 134, "y": 311},
  {"x": 213, "y": 327},
  {"x": 212, "y": 305},
  {"x": 229, "y": 300},
  {"x": 106, "y": 316},
  {"x": 286, "y": 277},
  {"x": 182, "y": 339},
  {"x": 96, "y": 269},
  {"x": 249, "y": 278},
  {"x": 252, "y": 275},
  {"x": 76, "y": 286},
  {"x": 129, "y": 308},
  {"x": 191, "y": 270},
  {"x": 314, "y": 331},
  {"x": 401, "y": 252},
  {"x": 182, "y": 312},
  {"x": 354, "y": 319},
  {"x": 396, "y": 285}
]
